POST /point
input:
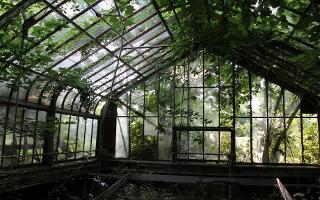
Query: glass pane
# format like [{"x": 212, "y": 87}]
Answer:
[
  {"x": 28, "y": 136},
  {"x": 195, "y": 113},
  {"x": 292, "y": 104},
  {"x": 41, "y": 124},
  {"x": 165, "y": 137},
  {"x": 294, "y": 147},
  {"x": 258, "y": 97},
  {"x": 196, "y": 73},
  {"x": 243, "y": 140},
  {"x": 242, "y": 93},
  {"x": 122, "y": 135},
  {"x": 211, "y": 145},
  {"x": 72, "y": 137},
  {"x": 211, "y": 107},
  {"x": 182, "y": 144},
  {"x": 94, "y": 137},
  {"x": 63, "y": 137},
  {"x": 80, "y": 137},
  {"x": 151, "y": 126},
  {"x": 87, "y": 142},
  {"x": 226, "y": 106},
  {"x": 136, "y": 138},
  {"x": 211, "y": 74},
  {"x": 258, "y": 140},
  {"x": 275, "y": 100},
  {"x": 311, "y": 141},
  {"x": 137, "y": 99},
  {"x": 277, "y": 140},
  {"x": 225, "y": 145},
  {"x": 196, "y": 145}
]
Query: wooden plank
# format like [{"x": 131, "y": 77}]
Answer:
[
  {"x": 284, "y": 192},
  {"x": 110, "y": 190}
]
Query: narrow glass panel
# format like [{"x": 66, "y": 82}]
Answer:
[
  {"x": 275, "y": 100},
  {"x": 258, "y": 138},
  {"x": 80, "y": 137},
  {"x": 122, "y": 134},
  {"x": 196, "y": 73},
  {"x": 196, "y": 145},
  {"x": 136, "y": 139},
  {"x": 94, "y": 137},
  {"x": 28, "y": 136},
  {"x": 41, "y": 124},
  {"x": 87, "y": 143},
  {"x": 181, "y": 106},
  {"x": 183, "y": 144},
  {"x": 277, "y": 140},
  {"x": 211, "y": 145},
  {"x": 211, "y": 107},
  {"x": 63, "y": 138},
  {"x": 243, "y": 140},
  {"x": 151, "y": 97},
  {"x": 3, "y": 111},
  {"x": 195, "y": 112},
  {"x": 72, "y": 137},
  {"x": 292, "y": 104},
  {"x": 258, "y": 97},
  {"x": 165, "y": 137},
  {"x": 225, "y": 145},
  {"x": 294, "y": 148},
  {"x": 226, "y": 106},
  {"x": 311, "y": 141},
  {"x": 242, "y": 93},
  {"x": 211, "y": 74},
  {"x": 137, "y": 99}
]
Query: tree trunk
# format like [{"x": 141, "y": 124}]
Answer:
[
  {"x": 282, "y": 135},
  {"x": 269, "y": 131}
]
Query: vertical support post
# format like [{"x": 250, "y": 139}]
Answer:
[
  {"x": 233, "y": 147},
  {"x": 49, "y": 134},
  {"x": 301, "y": 132},
  {"x": 219, "y": 107},
  {"x": 233, "y": 134},
  {"x": 284, "y": 126},
  {"x": 318, "y": 137},
  {"x": 109, "y": 128},
  {"x": 203, "y": 96},
  {"x": 174, "y": 111},
  {"x": 174, "y": 146},
  {"x": 251, "y": 122}
]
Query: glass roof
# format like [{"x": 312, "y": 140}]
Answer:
[
  {"x": 114, "y": 45},
  {"x": 117, "y": 43}
]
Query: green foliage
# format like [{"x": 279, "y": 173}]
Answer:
[
  {"x": 226, "y": 28},
  {"x": 142, "y": 147}
]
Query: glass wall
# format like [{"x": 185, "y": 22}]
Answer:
[
  {"x": 211, "y": 92},
  {"x": 24, "y": 124}
]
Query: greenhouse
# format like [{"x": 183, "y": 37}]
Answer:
[{"x": 159, "y": 99}]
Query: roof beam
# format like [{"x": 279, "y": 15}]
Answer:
[
  {"x": 157, "y": 8},
  {"x": 147, "y": 47},
  {"x": 89, "y": 35}
]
